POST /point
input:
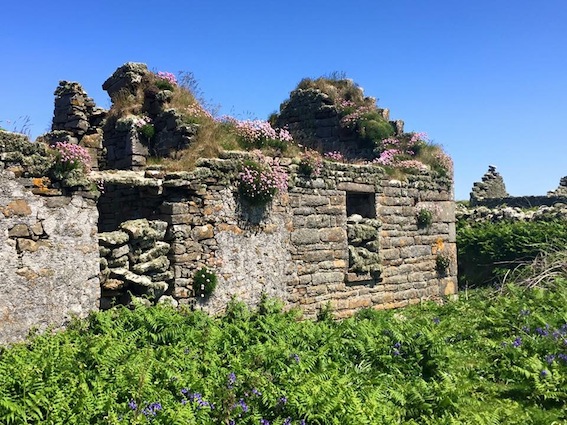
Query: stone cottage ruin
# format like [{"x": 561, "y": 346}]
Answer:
[{"x": 349, "y": 237}]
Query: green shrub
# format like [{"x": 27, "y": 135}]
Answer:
[
  {"x": 442, "y": 263},
  {"x": 373, "y": 128},
  {"x": 204, "y": 282},
  {"x": 424, "y": 218},
  {"x": 487, "y": 251}
]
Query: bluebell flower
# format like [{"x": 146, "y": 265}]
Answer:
[
  {"x": 436, "y": 320},
  {"x": 231, "y": 380},
  {"x": 264, "y": 422},
  {"x": 544, "y": 373},
  {"x": 517, "y": 342},
  {"x": 282, "y": 400},
  {"x": 550, "y": 358},
  {"x": 152, "y": 409},
  {"x": 243, "y": 405},
  {"x": 132, "y": 405}
]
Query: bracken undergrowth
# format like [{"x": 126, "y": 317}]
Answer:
[{"x": 482, "y": 360}]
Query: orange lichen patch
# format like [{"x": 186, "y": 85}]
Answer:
[
  {"x": 41, "y": 185},
  {"x": 438, "y": 247},
  {"x": 41, "y": 181}
]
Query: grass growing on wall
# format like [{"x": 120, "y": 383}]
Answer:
[{"x": 424, "y": 365}]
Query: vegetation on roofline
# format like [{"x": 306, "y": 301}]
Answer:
[{"x": 409, "y": 153}]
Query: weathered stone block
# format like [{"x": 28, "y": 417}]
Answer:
[
  {"x": 305, "y": 236},
  {"x": 335, "y": 234},
  {"x": 115, "y": 238},
  {"x": 120, "y": 262},
  {"x": 19, "y": 231},
  {"x": 327, "y": 277},
  {"x": 120, "y": 251},
  {"x": 160, "y": 249},
  {"x": 202, "y": 232},
  {"x": 159, "y": 264},
  {"x": 17, "y": 207}
]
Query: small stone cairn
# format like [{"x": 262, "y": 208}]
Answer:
[
  {"x": 491, "y": 186},
  {"x": 561, "y": 190}
]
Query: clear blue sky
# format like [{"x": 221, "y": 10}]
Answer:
[{"x": 486, "y": 79}]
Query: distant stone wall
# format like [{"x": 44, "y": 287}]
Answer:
[
  {"x": 349, "y": 237},
  {"x": 491, "y": 192},
  {"x": 48, "y": 252}
]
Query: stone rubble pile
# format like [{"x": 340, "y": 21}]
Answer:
[
  {"x": 135, "y": 259},
  {"x": 505, "y": 213}
]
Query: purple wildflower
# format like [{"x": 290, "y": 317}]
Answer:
[
  {"x": 550, "y": 358},
  {"x": 517, "y": 342},
  {"x": 231, "y": 380},
  {"x": 544, "y": 373},
  {"x": 132, "y": 405},
  {"x": 152, "y": 409}
]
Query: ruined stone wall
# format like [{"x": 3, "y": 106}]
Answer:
[
  {"x": 77, "y": 120},
  {"x": 349, "y": 237},
  {"x": 48, "y": 252},
  {"x": 127, "y": 148},
  {"x": 313, "y": 119}
]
